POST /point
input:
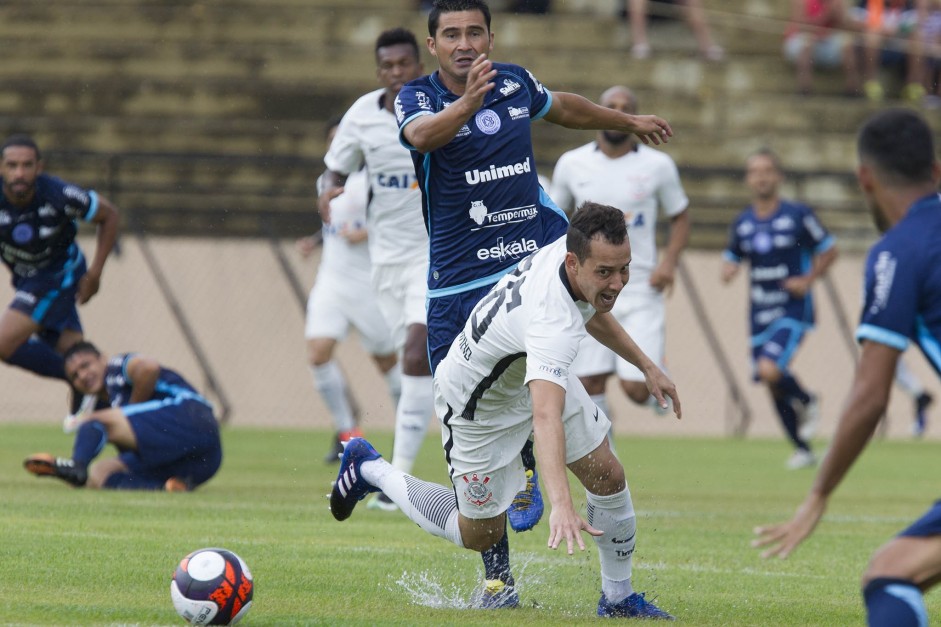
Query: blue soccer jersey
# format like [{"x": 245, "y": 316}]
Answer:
[
  {"x": 170, "y": 387},
  {"x": 902, "y": 290},
  {"x": 39, "y": 239},
  {"x": 481, "y": 199},
  {"x": 777, "y": 247}
]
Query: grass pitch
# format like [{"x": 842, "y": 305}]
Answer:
[{"x": 81, "y": 557}]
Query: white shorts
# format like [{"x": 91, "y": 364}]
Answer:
[
  {"x": 334, "y": 305},
  {"x": 483, "y": 454},
  {"x": 401, "y": 290},
  {"x": 643, "y": 315}
]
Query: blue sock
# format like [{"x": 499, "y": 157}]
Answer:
[
  {"x": 895, "y": 603},
  {"x": 127, "y": 481},
  {"x": 89, "y": 440},
  {"x": 792, "y": 389},
  {"x": 788, "y": 417},
  {"x": 40, "y": 358},
  {"x": 497, "y": 561}
]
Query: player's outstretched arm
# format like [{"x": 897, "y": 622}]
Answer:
[
  {"x": 549, "y": 436},
  {"x": 868, "y": 399},
  {"x": 574, "y": 111}
]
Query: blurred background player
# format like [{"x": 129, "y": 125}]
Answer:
[
  {"x": 906, "y": 379},
  {"x": 787, "y": 249},
  {"x": 899, "y": 174},
  {"x": 398, "y": 242},
  {"x": 618, "y": 170},
  {"x": 38, "y": 225},
  {"x": 507, "y": 375},
  {"x": 164, "y": 430},
  {"x": 342, "y": 296},
  {"x": 468, "y": 126}
]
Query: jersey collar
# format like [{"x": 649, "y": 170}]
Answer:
[{"x": 565, "y": 281}]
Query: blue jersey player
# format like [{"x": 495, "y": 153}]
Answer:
[
  {"x": 788, "y": 249},
  {"x": 899, "y": 175},
  {"x": 38, "y": 216},
  {"x": 468, "y": 127},
  {"x": 165, "y": 431}
]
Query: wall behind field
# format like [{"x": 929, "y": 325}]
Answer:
[{"x": 248, "y": 324}]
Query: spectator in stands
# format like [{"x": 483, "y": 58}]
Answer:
[
  {"x": 931, "y": 73},
  {"x": 164, "y": 430},
  {"x": 38, "y": 225},
  {"x": 819, "y": 35},
  {"x": 343, "y": 297},
  {"x": 787, "y": 249},
  {"x": 892, "y": 36},
  {"x": 694, "y": 14}
]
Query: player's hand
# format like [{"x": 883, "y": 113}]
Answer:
[
  {"x": 797, "y": 286},
  {"x": 783, "y": 538},
  {"x": 87, "y": 287},
  {"x": 661, "y": 387},
  {"x": 306, "y": 245},
  {"x": 651, "y": 129},
  {"x": 663, "y": 276},
  {"x": 479, "y": 81},
  {"x": 323, "y": 203},
  {"x": 566, "y": 524}
]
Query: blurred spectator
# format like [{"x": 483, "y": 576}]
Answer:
[
  {"x": 892, "y": 37},
  {"x": 693, "y": 13},
  {"x": 817, "y": 36},
  {"x": 931, "y": 36}
]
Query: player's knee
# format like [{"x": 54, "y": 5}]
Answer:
[
  {"x": 415, "y": 361},
  {"x": 481, "y": 534},
  {"x": 594, "y": 384},
  {"x": 768, "y": 371},
  {"x": 636, "y": 391}
]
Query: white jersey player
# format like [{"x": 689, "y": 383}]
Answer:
[
  {"x": 398, "y": 240},
  {"x": 643, "y": 182},
  {"x": 342, "y": 296},
  {"x": 507, "y": 374}
]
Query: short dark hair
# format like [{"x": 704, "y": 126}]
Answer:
[
  {"x": 453, "y": 6},
  {"x": 766, "y": 151},
  {"x": 395, "y": 36},
  {"x": 898, "y": 143},
  {"x": 20, "y": 139},
  {"x": 591, "y": 219},
  {"x": 82, "y": 346}
]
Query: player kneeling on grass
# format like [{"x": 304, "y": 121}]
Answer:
[
  {"x": 166, "y": 433},
  {"x": 507, "y": 374}
]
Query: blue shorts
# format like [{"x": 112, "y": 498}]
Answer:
[
  {"x": 928, "y": 525},
  {"x": 50, "y": 299},
  {"x": 446, "y": 318},
  {"x": 174, "y": 439},
  {"x": 778, "y": 343}
]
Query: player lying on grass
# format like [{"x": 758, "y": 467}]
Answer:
[
  {"x": 165, "y": 432},
  {"x": 506, "y": 375}
]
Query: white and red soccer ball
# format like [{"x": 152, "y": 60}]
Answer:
[{"x": 212, "y": 587}]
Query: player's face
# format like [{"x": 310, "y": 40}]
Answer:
[
  {"x": 762, "y": 176},
  {"x": 397, "y": 65},
  {"x": 86, "y": 372},
  {"x": 20, "y": 168},
  {"x": 603, "y": 275},
  {"x": 462, "y": 36},
  {"x": 622, "y": 101}
]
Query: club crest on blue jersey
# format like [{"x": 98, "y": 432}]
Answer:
[
  {"x": 476, "y": 490},
  {"x": 761, "y": 242},
  {"x": 22, "y": 233},
  {"x": 487, "y": 121}
]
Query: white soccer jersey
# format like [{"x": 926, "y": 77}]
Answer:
[
  {"x": 341, "y": 258},
  {"x": 637, "y": 183},
  {"x": 527, "y": 327},
  {"x": 369, "y": 134}
]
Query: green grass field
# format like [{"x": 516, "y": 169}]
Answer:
[{"x": 81, "y": 557}]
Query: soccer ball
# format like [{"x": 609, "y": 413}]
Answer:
[{"x": 212, "y": 587}]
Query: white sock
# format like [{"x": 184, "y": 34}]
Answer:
[
  {"x": 907, "y": 380},
  {"x": 415, "y": 409},
  {"x": 330, "y": 382},
  {"x": 430, "y": 506},
  {"x": 394, "y": 381},
  {"x": 614, "y": 515}
]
